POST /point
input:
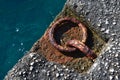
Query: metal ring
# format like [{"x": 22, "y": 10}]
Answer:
[
  {"x": 82, "y": 47},
  {"x": 54, "y": 26}
]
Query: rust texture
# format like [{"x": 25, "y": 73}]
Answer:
[
  {"x": 55, "y": 27},
  {"x": 82, "y": 47},
  {"x": 74, "y": 43}
]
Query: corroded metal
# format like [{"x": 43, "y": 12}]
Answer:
[
  {"x": 82, "y": 47},
  {"x": 76, "y": 44},
  {"x": 55, "y": 26}
]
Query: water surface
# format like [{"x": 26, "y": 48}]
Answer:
[{"x": 22, "y": 22}]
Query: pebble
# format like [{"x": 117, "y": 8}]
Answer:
[
  {"x": 102, "y": 29},
  {"x": 57, "y": 74},
  {"x": 31, "y": 68},
  {"x": 116, "y": 55},
  {"x": 116, "y": 77},
  {"x": 31, "y": 55},
  {"x": 107, "y": 31},
  {"x": 61, "y": 74},
  {"x": 48, "y": 73},
  {"x": 111, "y": 70},
  {"x": 32, "y": 63},
  {"x": 20, "y": 73},
  {"x": 36, "y": 71},
  {"x": 110, "y": 77},
  {"x": 106, "y": 21},
  {"x": 114, "y": 23}
]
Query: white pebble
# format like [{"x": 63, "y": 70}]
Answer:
[
  {"x": 102, "y": 29},
  {"x": 31, "y": 68},
  {"x": 111, "y": 77},
  {"x": 116, "y": 55},
  {"x": 57, "y": 74},
  {"x": 31, "y": 63},
  {"x": 111, "y": 70},
  {"x": 107, "y": 31},
  {"x": 106, "y": 22},
  {"x": 114, "y": 23},
  {"x": 116, "y": 77}
]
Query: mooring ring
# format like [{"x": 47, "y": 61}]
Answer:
[
  {"x": 52, "y": 32},
  {"x": 82, "y": 47}
]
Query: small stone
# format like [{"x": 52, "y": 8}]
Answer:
[
  {"x": 114, "y": 23},
  {"x": 55, "y": 66},
  {"x": 31, "y": 55},
  {"x": 20, "y": 73},
  {"x": 113, "y": 34},
  {"x": 44, "y": 71},
  {"x": 116, "y": 77},
  {"x": 98, "y": 24},
  {"x": 59, "y": 69},
  {"x": 68, "y": 75},
  {"x": 36, "y": 61},
  {"x": 111, "y": 70},
  {"x": 99, "y": 68},
  {"x": 51, "y": 64},
  {"x": 95, "y": 64},
  {"x": 110, "y": 77},
  {"x": 48, "y": 73},
  {"x": 34, "y": 58},
  {"x": 33, "y": 75},
  {"x": 25, "y": 78},
  {"x": 72, "y": 70},
  {"x": 61, "y": 74},
  {"x": 106, "y": 21},
  {"x": 107, "y": 31},
  {"x": 66, "y": 69},
  {"x": 13, "y": 69},
  {"x": 31, "y": 63},
  {"x": 24, "y": 72},
  {"x": 57, "y": 74},
  {"x": 117, "y": 63},
  {"x": 31, "y": 68},
  {"x": 116, "y": 55},
  {"x": 82, "y": 68},
  {"x": 29, "y": 73},
  {"x": 102, "y": 29},
  {"x": 64, "y": 66},
  {"x": 36, "y": 71}
]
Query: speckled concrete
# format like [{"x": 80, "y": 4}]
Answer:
[{"x": 103, "y": 15}]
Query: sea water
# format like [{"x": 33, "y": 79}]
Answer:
[{"x": 22, "y": 22}]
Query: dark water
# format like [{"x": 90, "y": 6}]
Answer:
[{"x": 22, "y": 22}]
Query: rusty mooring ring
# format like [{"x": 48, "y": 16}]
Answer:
[
  {"x": 54, "y": 26},
  {"x": 82, "y": 47}
]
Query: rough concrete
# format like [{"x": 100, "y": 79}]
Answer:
[{"x": 104, "y": 15}]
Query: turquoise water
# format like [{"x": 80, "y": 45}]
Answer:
[{"x": 22, "y": 22}]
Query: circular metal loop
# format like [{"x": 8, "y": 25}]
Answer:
[
  {"x": 54, "y": 27},
  {"x": 82, "y": 47}
]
